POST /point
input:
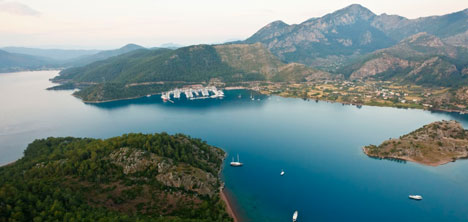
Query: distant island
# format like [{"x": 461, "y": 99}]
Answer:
[
  {"x": 433, "y": 144},
  {"x": 133, "y": 177}
]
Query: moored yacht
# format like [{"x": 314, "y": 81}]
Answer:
[
  {"x": 236, "y": 163},
  {"x": 415, "y": 197}
]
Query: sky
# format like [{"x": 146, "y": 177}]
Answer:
[{"x": 107, "y": 24}]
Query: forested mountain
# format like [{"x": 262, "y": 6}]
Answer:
[
  {"x": 12, "y": 62},
  {"x": 423, "y": 59},
  {"x": 330, "y": 41},
  {"x": 134, "y": 177},
  {"x": 190, "y": 64},
  {"x": 142, "y": 71}
]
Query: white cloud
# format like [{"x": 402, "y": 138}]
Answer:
[{"x": 17, "y": 8}]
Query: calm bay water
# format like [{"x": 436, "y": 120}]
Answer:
[{"x": 318, "y": 145}]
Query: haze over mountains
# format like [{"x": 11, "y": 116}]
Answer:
[
  {"x": 55, "y": 54},
  {"x": 12, "y": 62},
  {"x": 21, "y": 58}
]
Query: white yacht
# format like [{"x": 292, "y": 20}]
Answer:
[
  {"x": 282, "y": 172},
  {"x": 236, "y": 163},
  {"x": 295, "y": 216},
  {"x": 149, "y": 95},
  {"x": 415, "y": 197}
]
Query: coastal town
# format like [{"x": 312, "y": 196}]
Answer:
[
  {"x": 358, "y": 93},
  {"x": 373, "y": 93}
]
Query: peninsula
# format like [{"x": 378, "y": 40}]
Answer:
[
  {"x": 433, "y": 144},
  {"x": 133, "y": 177}
]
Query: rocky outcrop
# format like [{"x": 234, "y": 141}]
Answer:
[
  {"x": 458, "y": 40},
  {"x": 190, "y": 178},
  {"x": 433, "y": 144},
  {"x": 133, "y": 161},
  {"x": 168, "y": 173},
  {"x": 442, "y": 69},
  {"x": 379, "y": 65}
]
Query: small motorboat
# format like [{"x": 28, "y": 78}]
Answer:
[
  {"x": 282, "y": 172},
  {"x": 415, "y": 197},
  {"x": 295, "y": 216}
]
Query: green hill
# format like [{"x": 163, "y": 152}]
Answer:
[
  {"x": 146, "y": 71},
  {"x": 134, "y": 177}
]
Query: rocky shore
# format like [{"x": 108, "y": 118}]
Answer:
[{"x": 433, "y": 145}]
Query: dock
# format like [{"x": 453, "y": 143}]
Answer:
[{"x": 193, "y": 93}]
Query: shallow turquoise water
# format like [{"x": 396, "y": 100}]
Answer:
[{"x": 318, "y": 145}]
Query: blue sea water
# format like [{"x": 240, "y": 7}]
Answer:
[{"x": 318, "y": 144}]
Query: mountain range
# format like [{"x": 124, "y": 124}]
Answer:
[
  {"x": 54, "y": 54},
  {"x": 12, "y": 62},
  {"x": 351, "y": 43},
  {"x": 331, "y": 41},
  {"x": 20, "y": 58}
]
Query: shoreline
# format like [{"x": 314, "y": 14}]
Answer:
[
  {"x": 229, "y": 208},
  {"x": 436, "y": 164},
  {"x": 460, "y": 112},
  {"x": 364, "y": 104}
]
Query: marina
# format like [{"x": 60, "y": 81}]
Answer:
[{"x": 193, "y": 92}]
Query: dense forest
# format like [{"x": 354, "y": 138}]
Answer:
[
  {"x": 151, "y": 71},
  {"x": 134, "y": 177}
]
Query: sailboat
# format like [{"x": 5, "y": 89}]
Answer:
[
  {"x": 295, "y": 216},
  {"x": 282, "y": 172},
  {"x": 236, "y": 163}
]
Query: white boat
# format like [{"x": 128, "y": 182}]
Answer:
[
  {"x": 415, "y": 197},
  {"x": 149, "y": 95},
  {"x": 236, "y": 163},
  {"x": 295, "y": 216},
  {"x": 282, "y": 172}
]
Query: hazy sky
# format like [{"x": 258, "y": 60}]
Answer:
[{"x": 107, "y": 24}]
